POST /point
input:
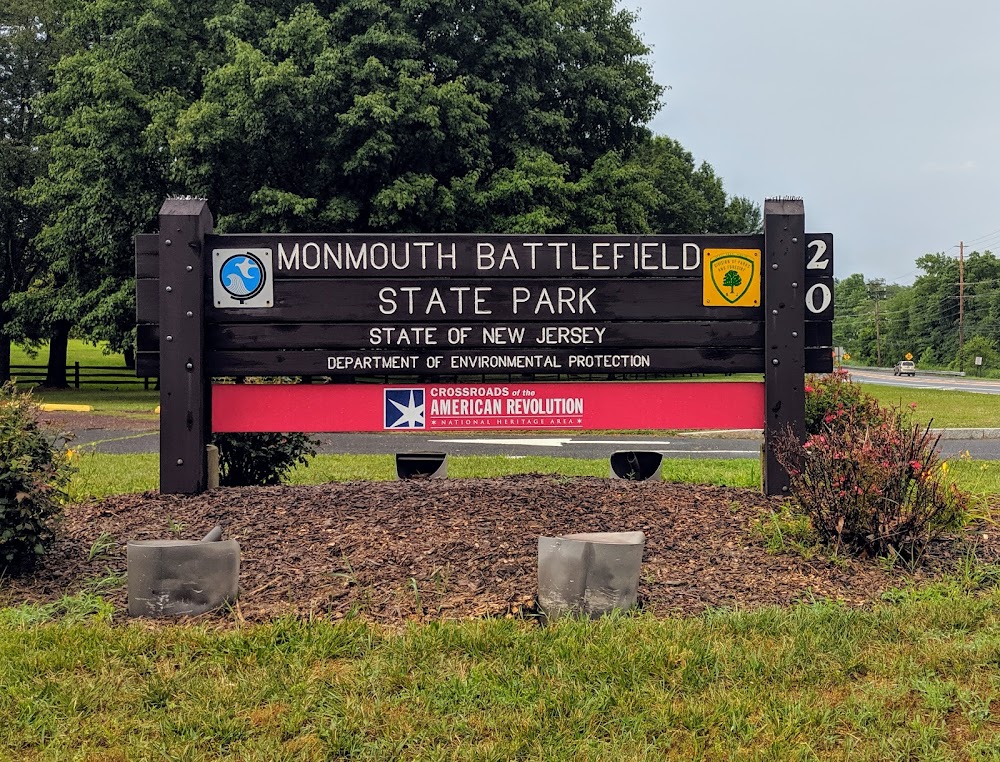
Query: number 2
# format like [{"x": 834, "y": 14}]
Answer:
[{"x": 816, "y": 263}]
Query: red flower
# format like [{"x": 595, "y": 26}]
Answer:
[
  {"x": 915, "y": 465},
  {"x": 809, "y": 389}
]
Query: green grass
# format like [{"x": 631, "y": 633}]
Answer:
[
  {"x": 77, "y": 351},
  {"x": 947, "y": 409},
  {"x": 132, "y": 402},
  {"x": 102, "y": 474},
  {"x": 914, "y": 680},
  {"x": 99, "y": 475},
  {"x": 113, "y": 397}
]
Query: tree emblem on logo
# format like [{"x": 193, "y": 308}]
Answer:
[
  {"x": 732, "y": 279},
  {"x": 731, "y": 276}
]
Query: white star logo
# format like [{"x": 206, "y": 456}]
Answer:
[{"x": 412, "y": 415}]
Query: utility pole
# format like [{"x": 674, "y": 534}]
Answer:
[
  {"x": 876, "y": 291},
  {"x": 961, "y": 304},
  {"x": 878, "y": 338}
]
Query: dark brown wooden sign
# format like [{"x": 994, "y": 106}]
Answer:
[{"x": 450, "y": 306}]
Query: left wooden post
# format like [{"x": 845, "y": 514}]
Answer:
[{"x": 185, "y": 415}]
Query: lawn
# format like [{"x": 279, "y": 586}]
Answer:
[
  {"x": 116, "y": 396},
  {"x": 100, "y": 474},
  {"x": 917, "y": 678},
  {"x": 78, "y": 351},
  {"x": 943, "y": 409}
]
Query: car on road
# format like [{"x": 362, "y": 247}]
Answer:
[{"x": 904, "y": 368}]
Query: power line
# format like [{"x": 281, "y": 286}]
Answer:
[{"x": 988, "y": 235}]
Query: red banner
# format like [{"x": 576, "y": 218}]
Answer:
[{"x": 487, "y": 407}]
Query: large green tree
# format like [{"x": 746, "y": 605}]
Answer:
[
  {"x": 347, "y": 115},
  {"x": 931, "y": 319},
  {"x": 133, "y": 67},
  {"x": 30, "y": 46}
]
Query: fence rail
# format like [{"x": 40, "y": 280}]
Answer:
[{"x": 79, "y": 375}]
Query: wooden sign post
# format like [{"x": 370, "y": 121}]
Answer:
[{"x": 531, "y": 320}]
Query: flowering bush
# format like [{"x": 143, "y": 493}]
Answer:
[
  {"x": 34, "y": 473},
  {"x": 829, "y": 399},
  {"x": 872, "y": 480}
]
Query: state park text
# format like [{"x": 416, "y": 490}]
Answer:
[{"x": 402, "y": 314}]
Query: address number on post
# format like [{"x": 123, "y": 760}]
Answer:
[{"x": 819, "y": 296}]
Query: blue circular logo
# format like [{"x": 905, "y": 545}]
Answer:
[{"x": 242, "y": 276}]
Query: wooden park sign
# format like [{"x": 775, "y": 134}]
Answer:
[{"x": 477, "y": 331}]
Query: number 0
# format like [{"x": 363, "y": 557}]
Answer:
[{"x": 827, "y": 297}]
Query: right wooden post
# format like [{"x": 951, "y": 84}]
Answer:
[{"x": 784, "y": 333}]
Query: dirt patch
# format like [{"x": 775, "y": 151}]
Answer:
[{"x": 460, "y": 548}]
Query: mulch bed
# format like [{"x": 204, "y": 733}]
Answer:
[{"x": 462, "y": 548}]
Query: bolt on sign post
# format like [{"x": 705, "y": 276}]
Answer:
[{"x": 480, "y": 332}]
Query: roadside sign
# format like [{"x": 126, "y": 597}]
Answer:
[{"x": 908, "y": 356}]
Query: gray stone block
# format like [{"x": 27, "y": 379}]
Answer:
[
  {"x": 590, "y": 573},
  {"x": 181, "y": 577}
]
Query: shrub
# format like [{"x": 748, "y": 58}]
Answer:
[
  {"x": 260, "y": 459},
  {"x": 34, "y": 473},
  {"x": 873, "y": 481},
  {"x": 830, "y": 397}
]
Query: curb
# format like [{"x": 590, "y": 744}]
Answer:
[
  {"x": 759, "y": 434},
  {"x": 967, "y": 433},
  {"x": 53, "y": 408}
]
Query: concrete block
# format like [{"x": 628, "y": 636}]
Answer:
[
  {"x": 589, "y": 573},
  {"x": 181, "y": 577}
]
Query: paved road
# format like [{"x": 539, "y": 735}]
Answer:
[
  {"x": 948, "y": 383},
  {"x": 580, "y": 446},
  {"x": 584, "y": 445}
]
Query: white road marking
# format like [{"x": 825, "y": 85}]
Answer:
[
  {"x": 524, "y": 442},
  {"x": 563, "y": 442}
]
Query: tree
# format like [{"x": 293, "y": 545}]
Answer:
[
  {"x": 348, "y": 115},
  {"x": 30, "y": 46},
  {"x": 132, "y": 67},
  {"x": 978, "y": 346},
  {"x": 691, "y": 198},
  {"x": 417, "y": 116},
  {"x": 732, "y": 279}
]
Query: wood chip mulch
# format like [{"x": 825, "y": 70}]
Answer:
[{"x": 462, "y": 548}]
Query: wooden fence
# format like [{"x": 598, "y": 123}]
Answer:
[{"x": 78, "y": 375}]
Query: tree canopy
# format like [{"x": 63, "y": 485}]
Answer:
[
  {"x": 347, "y": 115},
  {"x": 880, "y": 323}
]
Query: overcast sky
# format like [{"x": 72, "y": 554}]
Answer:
[{"x": 883, "y": 115}]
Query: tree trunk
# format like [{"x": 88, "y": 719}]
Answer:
[
  {"x": 55, "y": 376},
  {"x": 4, "y": 358}
]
